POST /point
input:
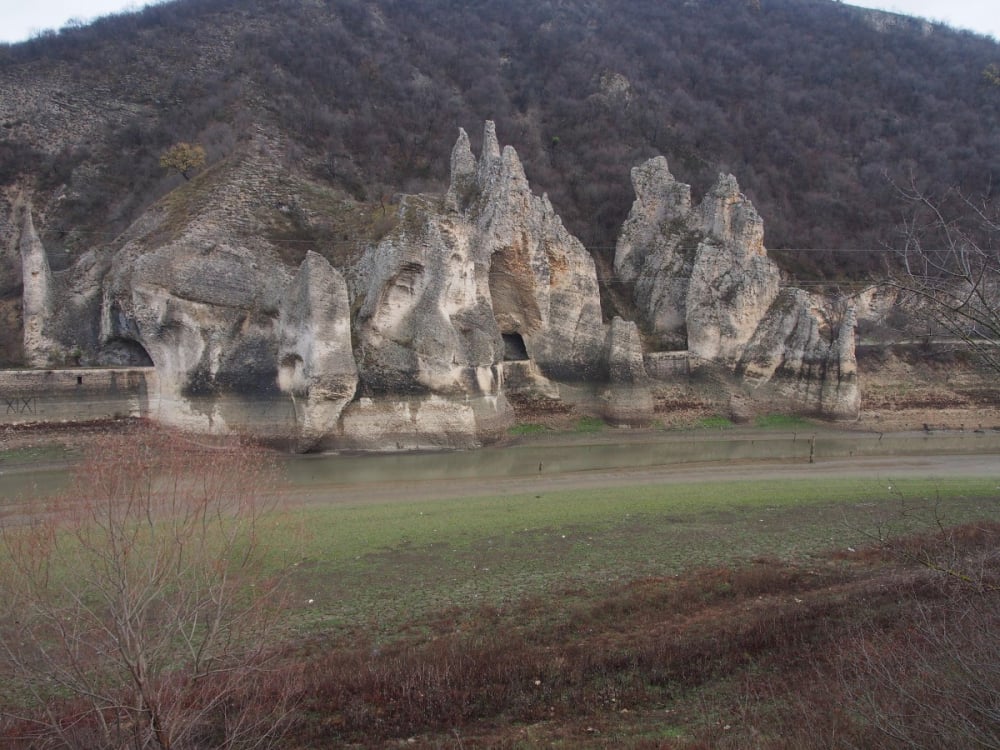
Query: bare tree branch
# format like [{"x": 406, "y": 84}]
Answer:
[
  {"x": 137, "y": 611},
  {"x": 948, "y": 270}
]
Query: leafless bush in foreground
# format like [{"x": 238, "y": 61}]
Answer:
[
  {"x": 933, "y": 679},
  {"x": 136, "y": 611}
]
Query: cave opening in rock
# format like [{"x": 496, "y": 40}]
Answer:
[
  {"x": 514, "y": 349},
  {"x": 122, "y": 352}
]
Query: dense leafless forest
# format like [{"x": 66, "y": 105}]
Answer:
[{"x": 815, "y": 106}]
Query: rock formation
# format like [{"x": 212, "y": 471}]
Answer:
[
  {"x": 195, "y": 291},
  {"x": 804, "y": 355},
  {"x": 60, "y": 310},
  {"x": 405, "y": 348},
  {"x": 541, "y": 281},
  {"x": 656, "y": 251},
  {"x": 627, "y": 398},
  {"x": 417, "y": 340},
  {"x": 316, "y": 364},
  {"x": 204, "y": 310},
  {"x": 703, "y": 283},
  {"x": 460, "y": 282},
  {"x": 40, "y": 348}
]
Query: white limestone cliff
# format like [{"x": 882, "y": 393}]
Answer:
[
  {"x": 542, "y": 281},
  {"x": 418, "y": 339},
  {"x": 315, "y": 363},
  {"x": 441, "y": 292},
  {"x": 627, "y": 399},
  {"x": 40, "y": 348},
  {"x": 203, "y": 308},
  {"x": 703, "y": 283}
]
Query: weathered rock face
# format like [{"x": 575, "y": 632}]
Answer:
[
  {"x": 656, "y": 252},
  {"x": 463, "y": 279},
  {"x": 204, "y": 311},
  {"x": 37, "y": 298},
  {"x": 423, "y": 422},
  {"x": 703, "y": 283},
  {"x": 805, "y": 353},
  {"x": 239, "y": 343},
  {"x": 425, "y": 323},
  {"x": 733, "y": 282},
  {"x": 661, "y": 206},
  {"x": 542, "y": 281},
  {"x": 701, "y": 277},
  {"x": 415, "y": 340},
  {"x": 492, "y": 260},
  {"x": 316, "y": 364},
  {"x": 60, "y": 311},
  {"x": 628, "y": 400}
]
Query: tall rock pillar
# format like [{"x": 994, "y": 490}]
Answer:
[{"x": 39, "y": 349}]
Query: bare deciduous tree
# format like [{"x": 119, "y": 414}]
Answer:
[
  {"x": 949, "y": 270},
  {"x": 136, "y": 608}
]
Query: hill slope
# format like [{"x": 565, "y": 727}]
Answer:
[{"x": 810, "y": 103}]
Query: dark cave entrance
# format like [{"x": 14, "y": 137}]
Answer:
[
  {"x": 514, "y": 349},
  {"x": 121, "y": 352}
]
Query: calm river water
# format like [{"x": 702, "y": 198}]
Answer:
[{"x": 562, "y": 455}]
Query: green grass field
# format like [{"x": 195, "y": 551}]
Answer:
[
  {"x": 383, "y": 566},
  {"x": 687, "y": 614}
]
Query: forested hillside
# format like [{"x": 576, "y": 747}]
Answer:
[{"x": 814, "y": 105}]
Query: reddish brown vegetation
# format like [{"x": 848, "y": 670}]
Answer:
[
  {"x": 888, "y": 647},
  {"x": 134, "y": 610},
  {"x": 768, "y": 655}
]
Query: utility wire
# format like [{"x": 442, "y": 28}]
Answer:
[{"x": 588, "y": 247}]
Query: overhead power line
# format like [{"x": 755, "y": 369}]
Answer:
[{"x": 276, "y": 241}]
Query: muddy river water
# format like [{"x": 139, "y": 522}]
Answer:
[{"x": 619, "y": 458}]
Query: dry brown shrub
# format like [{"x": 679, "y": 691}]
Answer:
[{"x": 137, "y": 611}]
